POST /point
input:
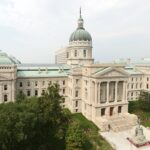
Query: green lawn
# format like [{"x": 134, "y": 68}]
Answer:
[
  {"x": 94, "y": 140},
  {"x": 143, "y": 115}
]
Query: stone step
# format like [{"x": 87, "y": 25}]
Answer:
[{"x": 120, "y": 124}]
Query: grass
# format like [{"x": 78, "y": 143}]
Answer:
[
  {"x": 94, "y": 140},
  {"x": 143, "y": 115}
]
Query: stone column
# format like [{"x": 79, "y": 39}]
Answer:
[
  {"x": 98, "y": 93},
  {"x": 95, "y": 92},
  {"x": 116, "y": 91},
  {"x": 92, "y": 92},
  {"x": 124, "y": 91},
  {"x": 107, "y": 101}
]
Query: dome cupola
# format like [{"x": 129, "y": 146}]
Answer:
[{"x": 80, "y": 34}]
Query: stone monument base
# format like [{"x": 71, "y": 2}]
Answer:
[{"x": 137, "y": 144}]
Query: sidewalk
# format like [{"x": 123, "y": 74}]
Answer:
[{"x": 119, "y": 142}]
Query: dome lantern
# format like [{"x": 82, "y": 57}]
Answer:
[{"x": 80, "y": 34}]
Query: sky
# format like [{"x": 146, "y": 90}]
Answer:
[{"x": 32, "y": 30}]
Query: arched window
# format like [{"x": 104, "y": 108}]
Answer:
[
  {"x": 75, "y": 53},
  {"x": 5, "y": 98},
  {"x": 84, "y": 53}
]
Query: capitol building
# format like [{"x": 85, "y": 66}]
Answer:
[{"x": 100, "y": 91}]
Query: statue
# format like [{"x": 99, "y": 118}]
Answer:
[{"x": 139, "y": 139}]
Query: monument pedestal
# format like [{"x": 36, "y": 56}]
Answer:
[{"x": 139, "y": 139}]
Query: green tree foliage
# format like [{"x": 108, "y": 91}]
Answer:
[
  {"x": 33, "y": 123},
  {"x": 133, "y": 105},
  {"x": 20, "y": 97},
  {"x": 75, "y": 138},
  {"x": 144, "y": 101}
]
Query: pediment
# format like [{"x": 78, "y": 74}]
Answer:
[{"x": 111, "y": 72}]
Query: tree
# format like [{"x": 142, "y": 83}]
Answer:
[
  {"x": 75, "y": 138},
  {"x": 32, "y": 123},
  {"x": 144, "y": 100},
  {"x": 20, "y": 97}
]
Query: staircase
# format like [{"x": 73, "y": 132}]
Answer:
[{"x": 123, "y": 122}]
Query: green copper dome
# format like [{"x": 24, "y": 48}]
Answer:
[
  {"x": 7, "y": 60},
  {"x": 80, "y": 34}
]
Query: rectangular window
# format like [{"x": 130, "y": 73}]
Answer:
[
  {"x": 28, "y": 93},
  {"x": 77, "y": 80},
  {"x": 36, "y": 83},
  {"x": 28, "y": 83},
  {"x": 76, "y": 94},
  {"x": 63, "y": 82},
  {"x": 43, "y": 83},
  {"x": 136, "y": 85},
  {"x": 132, "y": 86},
  {"x": 5, "y": 98},
  {"x": 5, "y": 87},
  {"x": 36, "y": 92},
  {"x": 103, "y": 112},
  {"x": 141, "y": 85},
  {"x": 119, "y": 109},
  {"x": 75, "y": 53},
  {"x": 76, "y": 104},
  {"x": 63, "y": 91},
  {"x": 147, "y": 86},
  {"x": 20, "y": 84},
  {"x": 84, "y": 53}
]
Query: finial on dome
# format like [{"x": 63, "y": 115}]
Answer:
[
  {"x": 80, "y": 12},
  {"x": 80, "y": 21}
]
